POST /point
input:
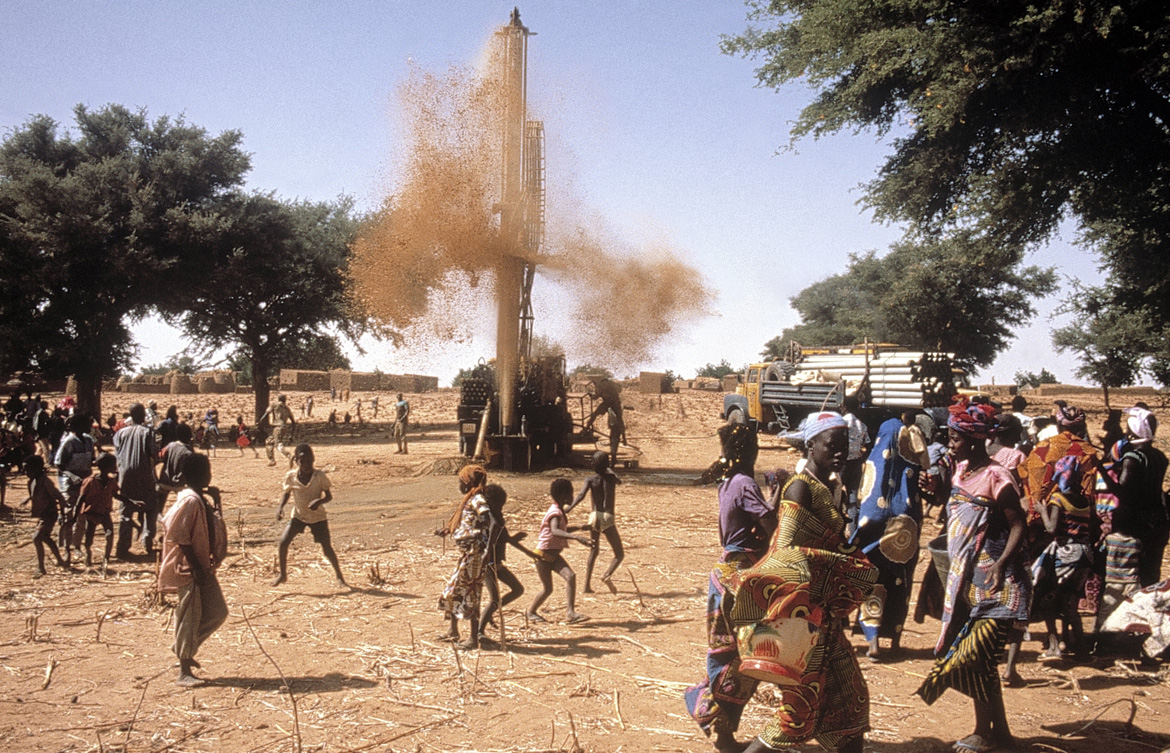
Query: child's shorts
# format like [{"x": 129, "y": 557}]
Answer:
[
  {"x": 552, "y": 557},
  {"x": 320, "y": 529},
  {"x": 600, "y": 521}
]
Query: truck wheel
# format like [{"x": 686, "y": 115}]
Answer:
[{"x": 736, "y": 416}]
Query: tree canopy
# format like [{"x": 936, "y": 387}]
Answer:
[
  {"x": 956, "y": 294},
  {"x": 716, "y": 370},
  {"x": 98, "y": 228},
  {"x": 1109, "y": 341},
  {"x": 1004, "y": 118},
  {"x": 277, "y": 288}
]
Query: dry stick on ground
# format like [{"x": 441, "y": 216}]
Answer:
[
  {"x": 101, "y": 621},
  {"x": 459, "y": 668},
  {"x": 287, "y": 685},
  {"x": 49, "y": 673},
  {"x": 576, "y": 743},
  {"x": 134, "y": 719},
  {"x": 617, "y": 708},
  {"x": 1106, "y": 707},
  {"x": 637, "y": 590}
]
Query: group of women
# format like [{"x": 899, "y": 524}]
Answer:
[{"x": 797, "y": 566}]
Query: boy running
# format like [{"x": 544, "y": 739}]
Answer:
[
  {"x": 96, "y": 502},
  {"x": 47, "y": 505},
  {"x": 602, "y": 486},
  {"x": 554, "y": 536},
  {"x": 309, "y": 489}
]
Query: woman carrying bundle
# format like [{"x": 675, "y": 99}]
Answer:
[{"x": 785, "y": 616}]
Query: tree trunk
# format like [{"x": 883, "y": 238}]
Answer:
[
  {"x": 1105, "y": 389},
  {"x": 89, "y": 396},
  {"x": 260, "y": 389}
]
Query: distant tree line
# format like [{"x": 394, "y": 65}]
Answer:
[{"x": 125, "y": 218}]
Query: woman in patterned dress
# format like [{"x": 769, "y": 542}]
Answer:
[
  {"x": 468, "y": 527},
  {"x": 987, "y": 588},
  {"x": 786, "y": 614}
]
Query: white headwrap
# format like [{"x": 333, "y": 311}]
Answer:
[
  {"x": 819, "y": 423},
  {"x": 1140, "y": 424}
]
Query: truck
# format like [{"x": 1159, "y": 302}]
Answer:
[{"x": 774, "y": 396}]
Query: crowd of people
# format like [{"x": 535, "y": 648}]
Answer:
[{"x": 1038, "y": 523}]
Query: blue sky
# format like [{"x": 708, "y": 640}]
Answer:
[{"x": 655, "y": 130}]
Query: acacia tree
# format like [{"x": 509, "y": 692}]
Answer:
[
  {"x": 1109, "y": 341},
  {"x": 99, "y": 228},
  {"x": 1003, "y": 117},
  {"x": 956, "y": 294},
  {"x": 277, "y": 286}
]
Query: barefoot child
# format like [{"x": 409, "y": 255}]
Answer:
[
  {"x": 554, "y": 536},
  {"x": 96, "y": 502},
  {"x": 309, "y": 489},
  {"x": 47, "y": 504},
  {"x": 468, "y": 527},
  {"x": 242, "y": 440},
  {"x": 194, "y": 544},
  {"x": 602, "y": 486},
  {"x": 495, "y": 569}
]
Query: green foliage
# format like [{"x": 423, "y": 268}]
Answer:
[
  {"x": 278, "y": 280},
  {"x": 957, "y": 294},
  {"x": 1003, "y": 119},
  {"x": 1110, "y": 342},
  {"x": 716, "y": 370},
  {"x": 181, "y": 362},
  {"x": 98, "y": 228},
  {"x": 1034, "y": 380},
  {"x": 588, "y": 368}
]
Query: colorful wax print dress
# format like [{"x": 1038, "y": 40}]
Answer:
[
  {"x": 977, "y": 534},
  {"x": 460, "y": 597},
  {"x": 786, "y": 618},
  {"x": 887, "y": 531}
]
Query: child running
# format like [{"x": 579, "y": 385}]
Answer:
[
  {"x": 47, "y": 505},
  {"x": 242, "y": 439},
  {"x": 495, "y": 569},
  {"x": 553, "y": 538},
  {"x": 602, "y": 486},
  {"x": 96, "y": 502},
  {"x": 309, "y": 489}
]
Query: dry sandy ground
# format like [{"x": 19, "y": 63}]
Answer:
[{"x": 365, "y": 668}]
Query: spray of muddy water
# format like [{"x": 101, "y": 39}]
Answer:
[{"x": 428, "y": 261}]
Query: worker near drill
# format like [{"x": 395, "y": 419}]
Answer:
[{"x": 609, "y": 404}]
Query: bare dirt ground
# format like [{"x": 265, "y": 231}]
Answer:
[{"x": 85, "y": 660}]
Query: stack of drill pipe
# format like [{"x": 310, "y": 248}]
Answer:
[{"x": 902, "y": 379}]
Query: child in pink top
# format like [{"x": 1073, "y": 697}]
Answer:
[{"x": 554, "y": 536}]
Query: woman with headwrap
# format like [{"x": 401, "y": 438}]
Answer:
[
  {"x": 468, "y": 527},
  {"x": 987, "y": 587},
  {"x": 1061, "y": 478},
  {"x": 746, "y": 523},
  {"x": 1141, "y": 509},
  {"x": 887, "y": 530},
  {"x": 787, "y": 614}
]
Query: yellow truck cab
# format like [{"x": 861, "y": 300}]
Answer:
[{"x": 774, "y": 396}]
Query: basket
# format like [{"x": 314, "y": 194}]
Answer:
[{"x": 940, "y": 556}]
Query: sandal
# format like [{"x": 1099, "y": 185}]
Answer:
[
  {"x": 446, "y": 638},
  {"x": 973, "y": 744},
  {"x": 576, "y": 620},
  {"x": 534, "y": 617}
]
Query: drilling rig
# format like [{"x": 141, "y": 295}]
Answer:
[{"x": 513, "y": 413}]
